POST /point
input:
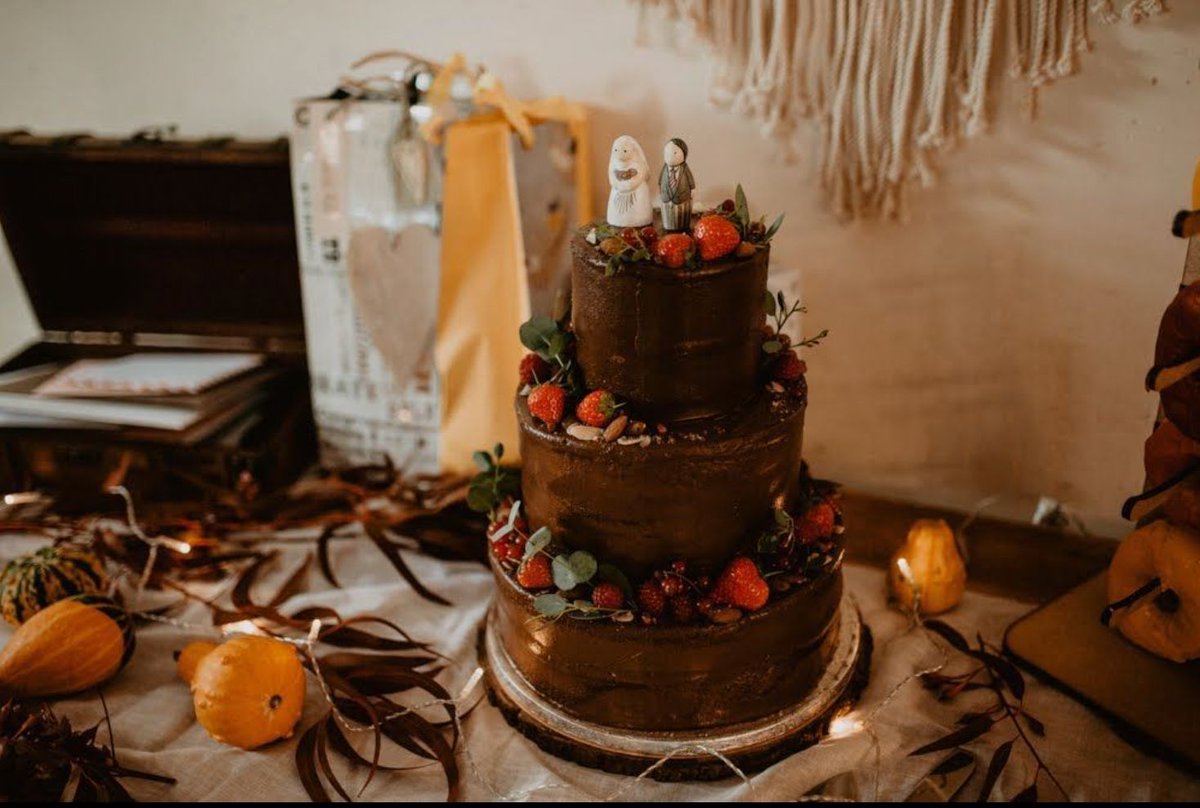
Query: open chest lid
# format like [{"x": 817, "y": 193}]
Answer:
[{"x": 155, "y": 243}]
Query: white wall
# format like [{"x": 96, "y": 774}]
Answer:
[{"x": 993, "y": 344}]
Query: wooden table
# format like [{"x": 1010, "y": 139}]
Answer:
[{"x": 1020, "y": 561}]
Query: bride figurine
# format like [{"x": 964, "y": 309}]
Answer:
[{"x": 629, "y": 203}]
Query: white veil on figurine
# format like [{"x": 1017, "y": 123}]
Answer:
[{"x": 629, "y": 201}]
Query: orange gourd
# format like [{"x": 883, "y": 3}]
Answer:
[
  {"x": 249, "y": 691},
  {"x": 67, "y": 647},
  {"x": 187, "y": 659}
]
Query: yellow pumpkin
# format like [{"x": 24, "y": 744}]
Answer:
[
  {"x": 249, "y": 691},
  {"x": 187, "y": 659},
  {"x": 66, "y": 647},
  {"x": 1167, "y": 624},
  {"x": 936, "y": 565}
]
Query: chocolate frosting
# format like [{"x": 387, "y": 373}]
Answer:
[
  {"x": 698, "y": 498},
  {"x": 678, "y": 343},
  {"x": 674, "y": 677}
]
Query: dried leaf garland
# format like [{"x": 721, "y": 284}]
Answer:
[
  {"x": 998, "y": 676},
  {"x": 43, "y": 760}
]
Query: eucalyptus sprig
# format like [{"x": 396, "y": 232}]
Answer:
[
  {"x": 777, "y": 308},
  {"x": 493, "y": 484},
  {"x": 550, "y": 340},
  {"x": 1004, "y": 682},
  {"x": 780, "y": 535},
  {"x": 754, "y": 231}
]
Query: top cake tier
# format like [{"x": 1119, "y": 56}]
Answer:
[{"x": 677, "y": 343}]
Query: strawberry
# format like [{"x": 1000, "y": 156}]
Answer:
[
  {"x": 535, "y": 573},
  {"x": 607, "y": 596},
  {"x": 716, "y": 235},
  {"x": 741, "y": 585},
  {"x": 534, "y": 369},
  {"x": 597, "y": 408},
  {"x": 651, "y": 598},
  {"x": 546, "y": 403},
  {"x": 674, "y": 249},
  {"x": 789, "y": 367},
  {"x": 816, "y": 523}
]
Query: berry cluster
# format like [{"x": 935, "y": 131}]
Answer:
[{"x": 794, "y": 550}]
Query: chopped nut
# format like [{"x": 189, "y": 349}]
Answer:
[
  {"x": 775, "y": 387},
  {"x": 584, "y": 432},
  {"x": 744, "y": 250},
  {"x": 728, "y": 615},
  {"x": 623, "y": 617},
  {"x": 636, "y": 428},
  {"x": 780, "y": 584},
  {"x": 590, "y": 238},
  {"x": 615, "y": 429},
  {"x": 660, "y": 429},
  {"x": 627, "y": 440},
  {"x": 612, "y": 245}
]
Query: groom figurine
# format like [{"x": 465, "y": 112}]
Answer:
[{"x": 675, "y": 184}]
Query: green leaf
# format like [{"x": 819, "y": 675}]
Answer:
[
  {"x": 585, "y": 606},
  {"x": 741, "y": 209},
  {"x": 769, "y": 303},
  {"x": 537, "y": 542},
  {"x": 557, "y": 344},
  {"x": 536, "y": 332},
  {"x": 611, "y": 574},
  {"x": 783, "y": 518},
  {"x": 768, "y": 542},
  {"x": 772, "y": 346},
  {"x": 612, "y": 266},
  {"x": 564, "y": 574},
  {"x": 774, "y": 228},
  {"x": 498, "y": 451},
  {"x": 550, "y": 605},
  {"x": 480, "y": 498},
  {"x": 782, "y": 302},
  {"x": 483, "y": 461},
  {"x": 583, "y": 565}
]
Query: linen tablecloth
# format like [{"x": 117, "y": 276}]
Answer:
[{"x": 155, "y": 729}]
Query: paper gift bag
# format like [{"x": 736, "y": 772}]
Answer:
[{"x": 421, "y": 253}]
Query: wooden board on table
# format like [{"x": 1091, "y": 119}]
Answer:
[{"x": 1065, "y": 641}]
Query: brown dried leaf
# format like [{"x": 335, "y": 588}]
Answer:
[
  {"x": 323, "y": 540},
  {"x": 306, "y": 765},
  {"x": 393, "y": 555},
  {"x": 949, "y": 634},
  {"x": 958, "y": 737},
  {"x": 995, "y": 768},
  {"x": 1030, "y": 794}
]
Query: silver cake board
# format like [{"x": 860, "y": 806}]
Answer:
[{"x": 752, "y": 746}]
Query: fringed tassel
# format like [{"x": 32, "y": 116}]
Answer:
[{"x": 888, "y": 83}]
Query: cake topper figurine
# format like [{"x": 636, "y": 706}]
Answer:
[
  {"x": 629, "y": 202},
  {"x": 675, "y": 184}
]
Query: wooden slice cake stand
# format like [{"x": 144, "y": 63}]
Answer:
[{"x": 682, "y": 755}]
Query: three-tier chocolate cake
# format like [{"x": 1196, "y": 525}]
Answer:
[{"x": 669, "y": 576}]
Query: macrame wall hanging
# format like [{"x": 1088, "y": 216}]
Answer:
[{"x": 888, "y": 83}]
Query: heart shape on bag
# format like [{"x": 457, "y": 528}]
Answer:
[{"x": 394, "y": 283}]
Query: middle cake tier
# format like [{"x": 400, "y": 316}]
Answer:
[{"x": 695, "y": 496}]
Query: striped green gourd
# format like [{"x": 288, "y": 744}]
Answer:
[{"x": 33, "y": 582}]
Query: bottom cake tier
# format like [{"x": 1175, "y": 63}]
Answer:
[{"x": 673, "y": 677}]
